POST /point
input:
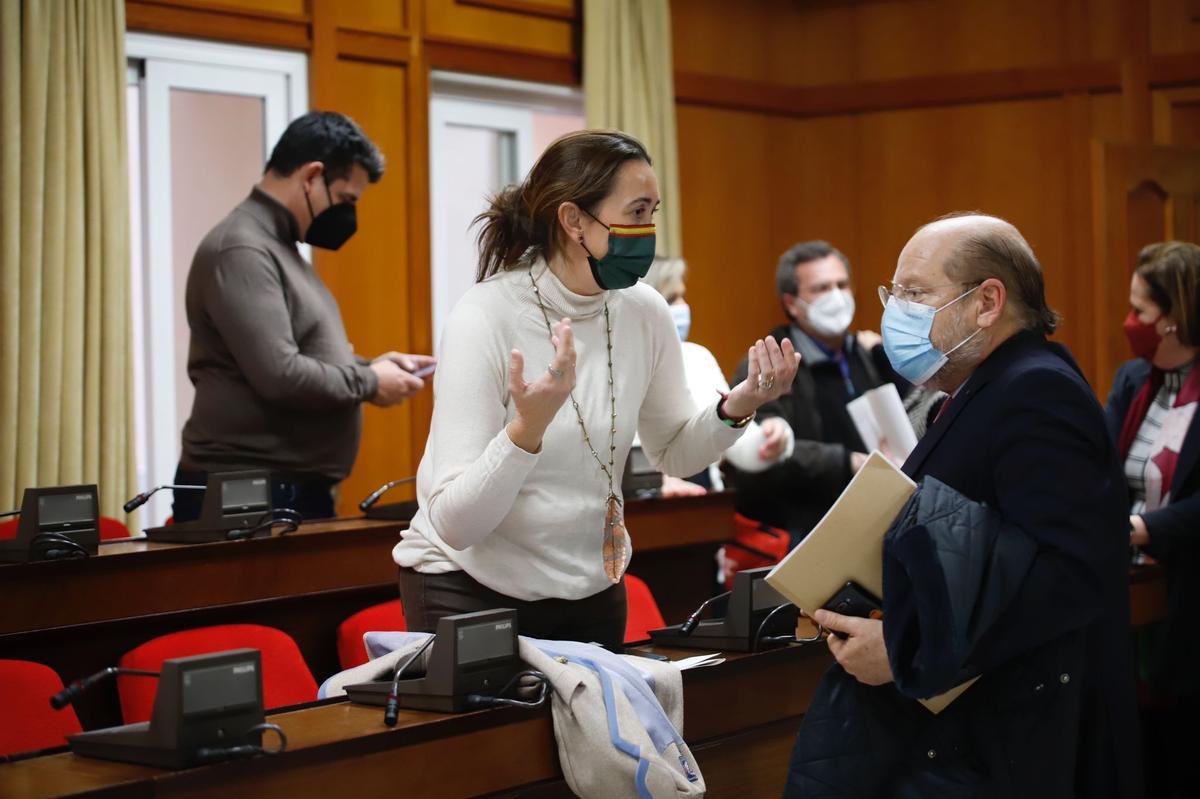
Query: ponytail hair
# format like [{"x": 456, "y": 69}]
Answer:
[{"x": 522, "y": 220}]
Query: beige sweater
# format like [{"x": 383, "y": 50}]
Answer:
[{"x": 531, "y": 525}]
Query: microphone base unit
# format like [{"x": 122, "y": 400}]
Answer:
[
  {"x": 232, "y": 501},
  {"x": 58, "y": 522},
  {"x": 201, "y": 532},
  {"x": 472, "y": 653},
  {"x": 410, "y": 696},
  {"x": 131, "y": 743},
  {"x": 709, "y": 634},
  {"x": 751, "y": 600},
  {"x": 204, "y": 702}
]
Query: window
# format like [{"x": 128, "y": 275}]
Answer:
[
  {"x": 202, "y": 119},
  {"x": 485, "y": 134}
]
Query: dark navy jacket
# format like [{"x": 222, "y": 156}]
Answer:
[
  {"x": 1052, "y": 714},
  {"x": 1174, "y": 654}
]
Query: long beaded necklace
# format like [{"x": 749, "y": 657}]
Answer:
[{"x": 615, "y": 534}]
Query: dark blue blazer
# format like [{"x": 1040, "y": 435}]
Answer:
[
  {"x": 1026, "y": 436},
  {"x": 1174, "y": 648},
  {"x": 1053, "y": 712}
]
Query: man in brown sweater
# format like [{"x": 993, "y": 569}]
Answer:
[{"x": 278, "y": 385}]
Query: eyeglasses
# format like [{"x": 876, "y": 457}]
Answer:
[{"x": 917, "y": 295}]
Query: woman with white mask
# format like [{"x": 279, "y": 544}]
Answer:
[{"x": 762, "y": 445}]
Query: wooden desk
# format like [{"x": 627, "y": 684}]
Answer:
[
  {"x": 80, "y": 616},
  {"x": 740, "y": 720},
  {"x": 136, "y": 578},
  {"x": 129, "y": 579}
]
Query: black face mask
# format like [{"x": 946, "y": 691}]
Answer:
[{"x": 332, "y": 227}]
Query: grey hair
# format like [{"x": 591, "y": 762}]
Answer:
[{"x": 664, "y": 272}]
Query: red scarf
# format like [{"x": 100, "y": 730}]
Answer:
[{"x": 1189, "y": 392}]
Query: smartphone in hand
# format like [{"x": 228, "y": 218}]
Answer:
[
  {"x": 424, "y": 371},
  {"x": 854, "y": 600}
]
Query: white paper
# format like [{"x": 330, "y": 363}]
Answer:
[
  {"x": 696, "y": 661},
  {"x": 863, "y": 417},
  {"x": 882, "y": 423}
]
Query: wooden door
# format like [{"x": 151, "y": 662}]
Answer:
[{"x": 1141, "y": 193}]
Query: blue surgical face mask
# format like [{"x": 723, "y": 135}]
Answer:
[
  {"x": 906, "y": 327},
  {"x": 681, "y": 314}
]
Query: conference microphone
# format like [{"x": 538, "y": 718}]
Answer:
[
  {"x": 374, "y": 496},
  {"x": 143, "y": 497},
  {"x": 73, "y": 691},
  {"x": 391, "y": 711},
  {"x": 689, "y": 625}
]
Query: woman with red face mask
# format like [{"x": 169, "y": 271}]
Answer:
[{"x": 1152, "y": 414}]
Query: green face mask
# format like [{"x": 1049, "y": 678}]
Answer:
[{"x": 630, "y": 253}]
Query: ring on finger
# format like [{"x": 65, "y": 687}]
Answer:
[
  {"x": 766, "y": 383},
  {"x": 555, "y": 373}
]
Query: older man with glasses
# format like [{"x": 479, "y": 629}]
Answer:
[{"x": 1017, "y": 577}]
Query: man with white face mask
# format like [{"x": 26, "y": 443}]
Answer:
[{"x": 837, "y": 365}]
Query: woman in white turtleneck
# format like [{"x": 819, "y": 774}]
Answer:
[{"x": 549, "y": 366}]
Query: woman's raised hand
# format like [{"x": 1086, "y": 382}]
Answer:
[
  {"x": 538, "y": 401},
  {"x": 771, "y": 369}
]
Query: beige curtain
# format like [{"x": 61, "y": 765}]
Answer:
[
  {"x": 628, "y": 84},
  {"x": 66, "y": 413}
]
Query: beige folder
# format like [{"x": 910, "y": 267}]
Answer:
[{"x": 847, "y": 544}]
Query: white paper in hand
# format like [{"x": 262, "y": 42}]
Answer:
[{"x": 882, "y": 423}]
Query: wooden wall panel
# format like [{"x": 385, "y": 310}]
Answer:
[
  {"x": 370, "y": 274},
  {"x": 246, "y": 23},
  {"x": 809, "y": 44},
  {"x": 1174, "y": 27},
  {"x": 383, "y": 16},
  {"x": 1177, "y": 116},
  {"x": 723, "y": 157},
  {"x": 452, "y": 20},
  {"x": 281, "y": 7}
]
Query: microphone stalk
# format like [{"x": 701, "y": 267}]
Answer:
[
  {"x": 79, "y": 687},
  {"x": 374, "y": 496},
  {"x": 391, "y": 711},
  {"x": 142, "y": 498},
  {"x": 690, "y": 624}
]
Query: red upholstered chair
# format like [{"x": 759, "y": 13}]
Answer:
[
  {"x": 386, "y": 616},
  {"x": 29, "y": 721},
  {"x": 643, "y": 615},
  {"x": 109, "y": 529},
  {"x": 286, "y": 678},
  {"x": 112, "y": 528}
]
